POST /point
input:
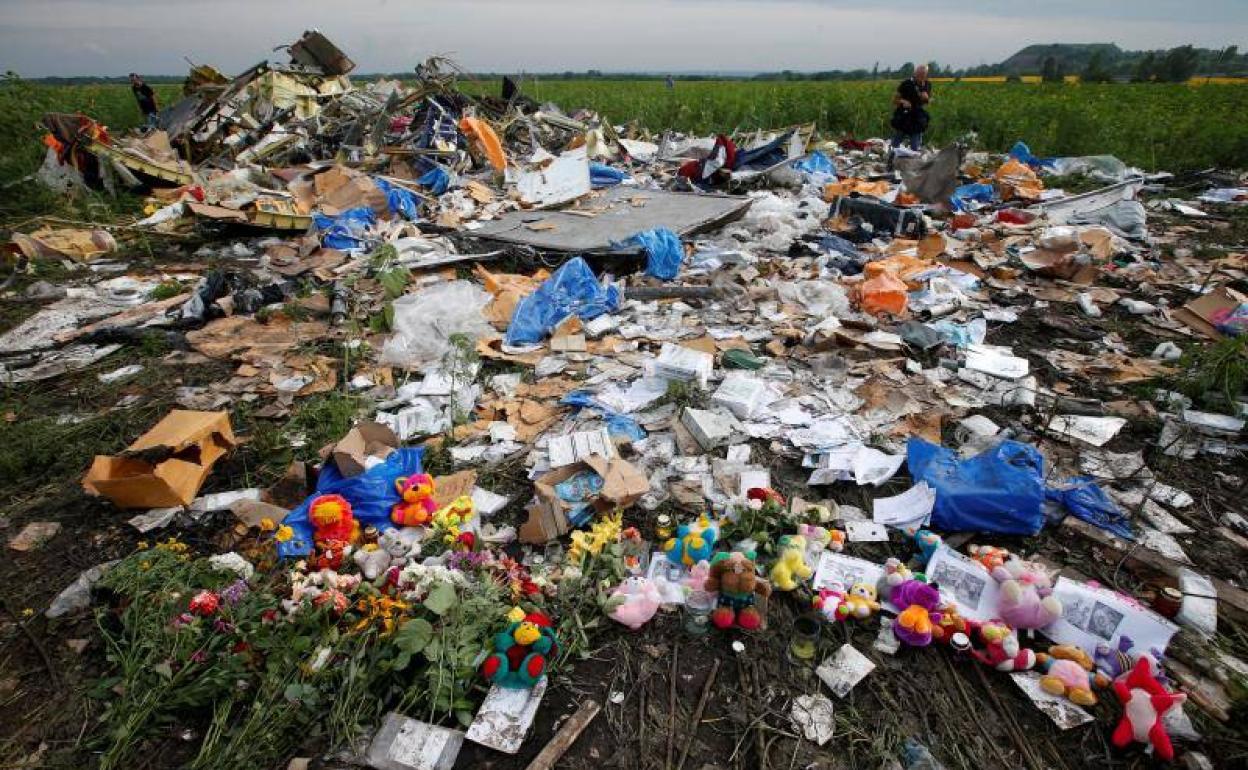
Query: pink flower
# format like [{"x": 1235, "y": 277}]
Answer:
[{"x": 199, "y": 656}]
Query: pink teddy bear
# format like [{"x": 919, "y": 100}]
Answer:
[
  {"x": 639, "y": 600},
  {"x": 1026, "y": 599}
]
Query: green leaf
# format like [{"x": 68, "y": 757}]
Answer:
[
  {"x": 464, "y": 716},
  {"x": 394, "y": 281},
  {"x": 293, "y": 692},
  {"x": 414, "y": 635},
  {"x": 440, "y": 599}
]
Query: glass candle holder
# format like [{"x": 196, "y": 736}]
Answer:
[
  {"x": 804, "y": 640},
  {"x": 698, "y": 608}
]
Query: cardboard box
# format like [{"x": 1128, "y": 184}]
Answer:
[
  {"x": 167, "y": 465},
  {"x": 740, "y": 394},
  {"x": 1198, "y": 314},
  {"x": 364, "y": 446},
  {"x": 709, "y": 429},
  {"x": 622, "y": 486}
]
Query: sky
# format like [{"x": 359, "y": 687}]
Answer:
[{"x": 113, "y": 37}]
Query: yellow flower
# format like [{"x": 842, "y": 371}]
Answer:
[
  {"x": 515, "y": 615},
  {"x": 142, "y": 546},
  {"x": 145, "y": 565},
  {"x": 28, "y": 612},
  {"x": 267, "y": 524},
  {"x": 284, "y": 533}
]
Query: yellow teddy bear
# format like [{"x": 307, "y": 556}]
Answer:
[{"x": 791, "y": 567}]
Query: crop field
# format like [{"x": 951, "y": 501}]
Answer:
[{"x": 1170, "y": 127}]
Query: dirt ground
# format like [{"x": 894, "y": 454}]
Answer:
[{"x": 649, "y": 683}]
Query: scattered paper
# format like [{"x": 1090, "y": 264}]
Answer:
[
  {"x": 1058, "y": 708},
  {"x": 964, "y": 582},
  {"x": 845, "y": 571},
  {"x": 1096, "y": 431},
  {"x": 909, "y": 510},
  {"x": 812, "y": 714},
  {"x": 506, "y": 716},
  {"x": 1092, "y": 615},
  {"x": 844, "y": 670},
  {"x": 866, "y": 532}
]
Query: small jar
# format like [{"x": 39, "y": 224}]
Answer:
[
  {"x": 698, "y": 608},
  {"x": 1168, "y": 602},
  {"x": 663, "y": 527}
]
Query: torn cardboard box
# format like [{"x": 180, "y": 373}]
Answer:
[
  {"x": 622, "y": 485},
  {"x": 167, "y": 465},
  {"x": 364, "y": 446},
  {"x": 1199, "y": 313}
]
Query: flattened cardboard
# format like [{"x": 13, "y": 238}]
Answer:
[
  {"x": 194, "y": 440},
  {"x": 622, "y": 486},
  {"x": 368, "y": 439},
  {"x": 1198, "y": 313}
]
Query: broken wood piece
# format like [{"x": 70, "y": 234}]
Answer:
[{"x": 566, "y": 736}]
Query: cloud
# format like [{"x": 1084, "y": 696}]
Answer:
[{"x": 65, "y": 37}]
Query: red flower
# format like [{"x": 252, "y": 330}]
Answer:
[
  {"x": 765, "y": 494},
  {"x": 528, "y": 588},
  {"x": 205, "y": 603}
]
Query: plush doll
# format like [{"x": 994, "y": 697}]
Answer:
[
  {"x": 522, "y": 651},
  {"x": 830, "y": 539},
  {"x": 861, "y": 603},
  {"x": 989, "y": 556},
  {"x": 372, "y": 560},
  {"x": 791, "y": 567},
  {"x": 1115, "y": 664},
  {"x": 1067, "y": 670},
  {"x": 1026, "y": 599},
  {"x": 332, "y": 520},
  {"x": 948, "y": 623},
  {"x": 334, "y": 530},
  {"x": 417, "y": 507},
  {"x": 1001, "y": 648},
  {"x": 1144, "y": 703},
  {"x": 696, "y": 579},
  {"x": 927, "y": 541},
  {"x": 918, "y": 602},
  {"x": 830, "y": 601},
  {"x": 895, "y": 573},
  {"x": 693, "y": 543},
  {"x": 740, "y": 589},
  {"x": 635, "y": 601}
]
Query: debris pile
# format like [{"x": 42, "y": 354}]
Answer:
[{"x": 825, "y": 401}]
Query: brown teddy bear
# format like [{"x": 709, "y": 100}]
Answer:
[{"x": 742, "y": 593}]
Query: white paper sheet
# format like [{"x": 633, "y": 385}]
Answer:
[
  {"x": 846, "y": 570},
  {"x": 1092, "y": 615},
  {"x": 964, "y": 582},
  {"x": 907, "y": 510}
]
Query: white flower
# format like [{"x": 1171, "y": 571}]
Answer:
[{"x": 232, "y": 562}]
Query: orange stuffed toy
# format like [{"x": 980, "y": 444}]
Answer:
[
  {"x": 417, "y": 506},
  {"x": 334, "y": 528}
]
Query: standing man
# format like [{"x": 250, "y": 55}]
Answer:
[
  {"x": 146, "y": 98},
  {"x": 910, "y": 116}
]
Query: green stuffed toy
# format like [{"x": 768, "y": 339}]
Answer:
[{"x": 522, "y": 651}]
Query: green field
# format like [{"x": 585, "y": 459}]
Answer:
[{"x": 1158, "y": 127}]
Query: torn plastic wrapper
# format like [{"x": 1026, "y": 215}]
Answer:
[
  {"x": 572, "y": 290},
  {"x": 1084, "y": 499}
]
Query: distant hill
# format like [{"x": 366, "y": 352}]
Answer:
[{"x": 1030, "y": 60}]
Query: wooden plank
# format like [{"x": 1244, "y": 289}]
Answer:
[{"x": 566, "y": 736}]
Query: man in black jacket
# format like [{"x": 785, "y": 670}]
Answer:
[
  {"x": 910, "y": 116},
  {"x": 146, "y": 98}
]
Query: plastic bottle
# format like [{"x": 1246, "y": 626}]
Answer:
[{"x": 885, "y": 293}]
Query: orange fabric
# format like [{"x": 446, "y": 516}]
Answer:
[
  {"x": 487, "y": 141},
  {"x": 885, "y": 293},
  {"x": 854, "y": 185}
]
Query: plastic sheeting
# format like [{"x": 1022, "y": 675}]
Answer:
[
  {"x": 1001, "y": 490},
  {"x": 347, "y": 231},
  {"x": 437, "y": 179},
  {"x": 968, "y": 194},
  {"x": 372, "y": 494},
  {"x": 601, "y": 175},
  {"x": 664, "y": 252},
  {"x": 425, "y": 321},
  {"x": 400, "y": 201},
  {"x": 572, "y": 290},
  {"x": 618, "y": 425},
  {"x": 1087, "y": 501}
]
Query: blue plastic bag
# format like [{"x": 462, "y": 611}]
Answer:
[
  {"x": 346, "y": 231},
  {"x": 978, "y": 192},
  {"x": 1001, "y": 490},
  {"x": 601, "y": 175},
  {"x": 372, "y": 494},
  {"x": 816, "y": 164},
  {"x": 437, "y": 179},
  {"x": 664, "y": 252},
  {"x": 619, "y": 425},
  {"x": 1022, "y": 153},
  {"x": 572, "y": 290},
  {"x": 400, "y": 201},
  {"x": 1085, "y": 500}
]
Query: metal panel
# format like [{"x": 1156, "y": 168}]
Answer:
[{"x": 612, "y": 216}]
